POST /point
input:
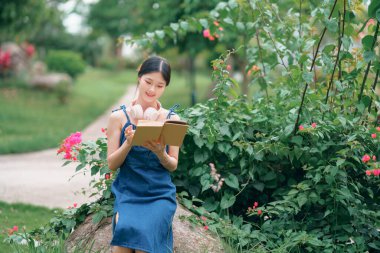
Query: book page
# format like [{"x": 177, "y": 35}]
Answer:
[{"x": 174, "y": 132}]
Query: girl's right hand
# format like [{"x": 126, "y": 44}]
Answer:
[{"x": 128, "y": 134}]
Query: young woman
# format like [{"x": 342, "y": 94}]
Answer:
[{"x": 145, "y": 197}]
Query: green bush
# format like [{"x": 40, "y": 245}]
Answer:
[
  {"x": 311, "y": 187},
  {"x": 65, "y": 61}
]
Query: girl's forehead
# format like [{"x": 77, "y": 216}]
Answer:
[{"x": 154, "y": 76}]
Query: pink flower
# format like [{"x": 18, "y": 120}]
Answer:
[
  {"x": 368, "y": 172},
  {"x": 107, "y": 176},
  {"x": 205, "y": 227},
  {"x": 256, "y": 204},
  {"x": 229, "y": 67},
  {"x": 259, "y": 212},
  {"x": 378, "y": 129},
  {"x": 371, "y": 22},
  {"x": 216, "y": 23},
  {"x": 67, "y": 156},
  {"x": 373, "y": 136},
  {"x": 206, "y": 33},
  {"x": 103, "y": 130},
  {"x": 374, "y": 158},
  {"x": 314, "y": 125},
  {"x": 301, "y": 127},
  {"x": 211, "y": 38},
  {"x": 30, "y": 50},
  {"x": 75, "y": 205},
  {"x": 366, "y": 158},
  {"x": 376, "y": 172},
  {"x": 220, "y": 28},
  {"x": 15, "y": 228},
  {"x": 203, "y": 218}
]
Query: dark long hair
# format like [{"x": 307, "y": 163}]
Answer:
[{"x": 156, "y": 64}]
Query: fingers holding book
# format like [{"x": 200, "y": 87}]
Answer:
[{"x": 128, "y": 134}]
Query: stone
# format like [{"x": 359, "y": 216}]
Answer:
[
  {"x": 49, "y": 80},
  {"x": 188, "y": 238}
]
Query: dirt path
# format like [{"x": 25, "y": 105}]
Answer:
[{"x": 38, "y": 177}]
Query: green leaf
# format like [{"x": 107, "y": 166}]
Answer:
[
  {"x": 174, "y": 26},
  {"x": 198, "y": 141},
  {"x": 369, "y": 56},
  {"x": 184, "y": 25},
  {"x": 307, "y": 77},
  {"x": 240, "y": 26},
  {"x": 66, "y": 163},
  {"x": 367, "y": 42},
  {"x": 97, "y": 217},
  {"x": 187, "y": 203},
  {"x": 160, "y": 34},
  {"x": 200, "y": 156},
  {"x": 227, "y": 201},
  {"x": 270, "y": 175},
  {"x": 210, "y": 204},
  {"x": 228, "y": 21},
  {"x": 332, "y": 25},
  {"x": 232, "y": 181},
  {"x": 373, "y": 8},
  {"x": 297, "y": 140},
  {"x": 94, "y": 169},
  {"x": 204, "y": 22},
  {"x": 258, "y": 185}
]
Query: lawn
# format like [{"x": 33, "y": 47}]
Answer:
[
  {"x": 33, "y": 120},
  {"x": 24, "y": 216}
]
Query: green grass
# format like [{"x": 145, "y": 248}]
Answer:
[
  {"x": 33, "y": 120},
  {"x": 21, "y": 215}
]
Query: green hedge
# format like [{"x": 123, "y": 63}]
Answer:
[{"x": 66, "y": 61}]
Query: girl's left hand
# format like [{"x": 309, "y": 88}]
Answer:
[{"x": 156, "y": 147}]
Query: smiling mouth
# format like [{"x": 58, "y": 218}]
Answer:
[{"x": 149, "y": 95}]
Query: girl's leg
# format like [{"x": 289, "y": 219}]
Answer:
[{"x": 117, "y": 249}]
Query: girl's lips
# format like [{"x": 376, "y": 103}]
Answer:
[{"x": 149, "y": 95}]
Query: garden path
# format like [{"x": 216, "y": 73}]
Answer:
[{"x": 38, "y": 178}]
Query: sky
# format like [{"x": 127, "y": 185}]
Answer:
[{"x": 73, "y": 21}]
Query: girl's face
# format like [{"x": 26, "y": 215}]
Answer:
[{"x": 151, "y": 86}]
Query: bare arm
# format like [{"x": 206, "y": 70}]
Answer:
[{"x": 115, "y": 154}]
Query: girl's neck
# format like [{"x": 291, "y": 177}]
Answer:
[{"x": 145, "y": 105}]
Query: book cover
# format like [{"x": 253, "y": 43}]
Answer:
[{"x": 172, "y": 131}]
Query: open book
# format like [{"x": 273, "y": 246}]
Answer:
[{"x": 173, "y": 132}]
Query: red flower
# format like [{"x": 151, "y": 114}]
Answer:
[
  {"x": 378, "y": 129},
  {"x": 368, "y": 172},
  {"x": 314, "y": 125},
  {"x": 229, "y": 67},
  {"x": 206, "y": 33},
  {"x": 259, "y": 212},
  {"x": 205, "y": 227},
  {"x": 30, "y": 50},
  {"x": 75, "y": 205},
  {"x": 376, "y": 172},
  {"x": 366, "y": 158},
  {"x": 301, "y": 127},
  {"x": 373, "y": 136},
  {"x": 15, "y": 228},
  {"x": 216, "y": 23},
  {"x": 107, "y": 176},
  {"x": 256, "y": 204}
]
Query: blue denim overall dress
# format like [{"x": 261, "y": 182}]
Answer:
[{"x": 145, "y": 199}]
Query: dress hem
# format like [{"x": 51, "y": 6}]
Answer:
[{"x": 130, "y": 246}]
